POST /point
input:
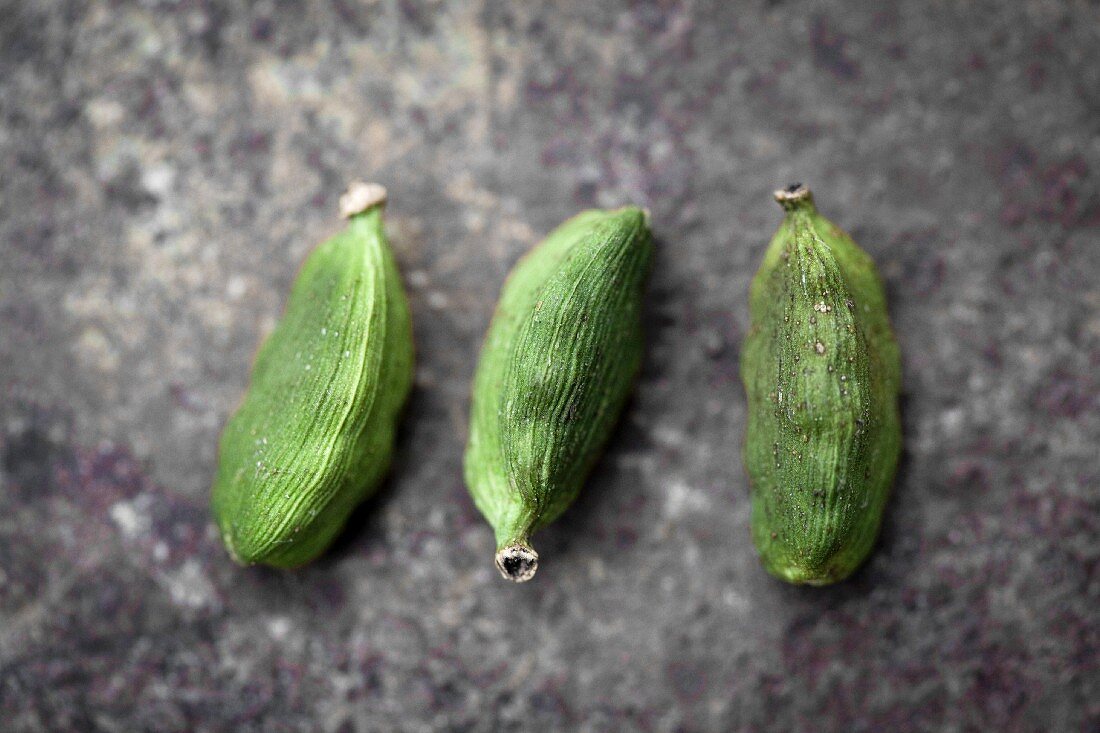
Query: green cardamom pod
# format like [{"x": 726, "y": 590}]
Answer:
[
  {"x": 822, "y": 375},
  {"x": 314, "y": 433},
  {"x": 555, "y": 370}
]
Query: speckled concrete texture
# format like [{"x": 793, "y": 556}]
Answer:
[{"x": 167, "y": 165}]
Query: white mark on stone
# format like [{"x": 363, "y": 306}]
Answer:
[
  {"x": 236, "y": 287},
  {"x": 278, "y": 627},
  {"x": 682, "y": 499},
  {"x": 129, "y": 520},
  {"x": 189, "y": 586},
  {"x": 952, "y": 420},
  {"x": 158, "y": 179}
]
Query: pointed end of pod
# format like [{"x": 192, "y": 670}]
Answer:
[
  {"x": 634, "y": 219},
  {"x": 794, "y": 196},
  {"x": 361, "y": 197},
  {"x": 517, "y": 562}
]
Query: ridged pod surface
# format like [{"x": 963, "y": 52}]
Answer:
[
  {"x": 314, "y": 433},
  {"x": 822, "y": 374},
  {"x": 555, "y": 370}
]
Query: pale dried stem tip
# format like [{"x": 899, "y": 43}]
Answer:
[
  {"x": 792, "y": 195},
  {"x": 361, "y": 196},
  {"x": 517, "y": 562}
]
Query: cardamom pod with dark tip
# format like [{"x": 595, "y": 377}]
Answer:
[
  {"x": 556, "y": 368},
  {"x": 314, "y": 434},
  {"x": 822, "y": 375}
]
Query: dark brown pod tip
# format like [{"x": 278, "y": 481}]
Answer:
[{"x": 517, "y": 562}]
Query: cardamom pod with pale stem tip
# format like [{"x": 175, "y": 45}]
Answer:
[
  {"x": 822, "y": 375},
  {"x": 314, "y": 434},
  {"x": 556, "y": 367}
]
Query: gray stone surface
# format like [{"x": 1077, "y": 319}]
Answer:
[{"x": 167, "y": 165}]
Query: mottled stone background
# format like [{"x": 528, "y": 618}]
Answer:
[{"x": 167, "y": 165}]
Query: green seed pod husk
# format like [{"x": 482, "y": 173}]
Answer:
[
  {"x": 314, "y": 434},
  {"x": 822, "y": 375},
  {"x": 556, "y": 368}
]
